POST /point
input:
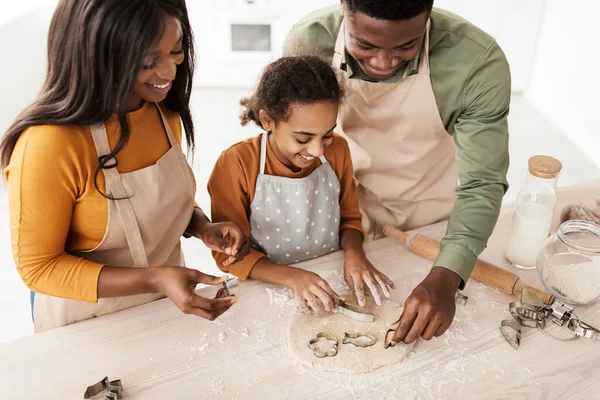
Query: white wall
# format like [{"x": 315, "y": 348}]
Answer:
[
  {"x": 24, "y": 24},
  {"x": 23, "y": 45},
  {"x": 514, "y": 23},
  {"x": 565, "y": 82}
]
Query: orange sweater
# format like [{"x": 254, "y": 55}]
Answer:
[
  {"x": 233, "y": 182},
  {"x": 55, "y": 208}
]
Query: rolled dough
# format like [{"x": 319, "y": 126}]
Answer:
[{"x": 349, "y": 359}]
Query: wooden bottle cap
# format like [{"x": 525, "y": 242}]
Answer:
[{"x": 544, "y": 167}]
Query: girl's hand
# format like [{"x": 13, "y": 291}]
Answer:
[
  {"x": 179, "y": 285},
  {"x": 228, "y": 238},
  {"x": 312, "y": 292},
  {"x": 359, "y": 271}
]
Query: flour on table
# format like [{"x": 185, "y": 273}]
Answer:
[{"x": 349, "y": 359}]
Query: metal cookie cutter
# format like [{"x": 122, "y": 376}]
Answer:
[
  {"x": 526, "y": 314},
  {"x": 513, "y": 340},
  {"x": 231, "y": 286},
  {"x": 353, "y": 338},
  {"x": 115, "y": 389},
  {"x": 460, "y": 298},
  {"x": 357, "y": 313},
  {"x": 387, "y": 339},
  {"x": 582, "y": 329},
  {"x": 535, "y": 316},
  {"x": 322, "y": 354},
  {"x": 560, "y": 314}
]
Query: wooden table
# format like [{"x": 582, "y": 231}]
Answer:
[{"x": 161, "y": 354}]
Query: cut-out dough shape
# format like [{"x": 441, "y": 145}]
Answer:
[
  {"x": 323, "y": 345},
  {"x": 349, "y": 359},
  {"x": 359, "y": 339}
]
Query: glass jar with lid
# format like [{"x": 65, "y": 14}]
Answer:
[
  {"x": 533, "y": 212},
  {"x": 569, "y": 262}
]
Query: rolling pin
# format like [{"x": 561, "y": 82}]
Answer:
[{"x": 484, "y": 272}]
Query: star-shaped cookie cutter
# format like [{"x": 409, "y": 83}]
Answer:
[{"x": 322, "y": 354}]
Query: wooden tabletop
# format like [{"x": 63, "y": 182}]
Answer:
[{"x": 159, "y": 353}]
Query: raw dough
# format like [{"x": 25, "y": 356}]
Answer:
[{"x": 349, "y": 359}]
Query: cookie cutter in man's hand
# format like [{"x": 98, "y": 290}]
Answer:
[
  {"x": 357, "y": 313},
  {"x": 387, "y": 339},
  {"x": 460, "y": 298},
  {"x": 352, "y": 338},
  {"x": 322, "y": 354},
  {"x": 114, "y": 388}
]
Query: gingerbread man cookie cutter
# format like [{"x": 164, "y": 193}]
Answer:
[{"x": 114, "y": 388}]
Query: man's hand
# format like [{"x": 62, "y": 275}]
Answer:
[{"x": 430, "y": 308}]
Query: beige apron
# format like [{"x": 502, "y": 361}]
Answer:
[
  {"x": 142, "y": 230},
  {"x": 403, "y": 157}
]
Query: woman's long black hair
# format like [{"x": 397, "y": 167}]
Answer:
[{"x": 96, "y": 49}]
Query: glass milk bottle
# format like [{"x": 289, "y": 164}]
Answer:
[{"x": 533, "y": 212}]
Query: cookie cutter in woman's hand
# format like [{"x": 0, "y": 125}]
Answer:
[
  {"x": 114, "y": 388},
  {"x": 357, "y": 313},
  {"x": 231, "y": 286}
]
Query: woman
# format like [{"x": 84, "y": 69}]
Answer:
[{"x": 100, "y": 192}]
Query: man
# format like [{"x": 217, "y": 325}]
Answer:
[{"x": 427, "y": 99}]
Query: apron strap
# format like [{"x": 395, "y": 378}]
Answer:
[
  {"x": 263, "y": 152},
  {"x": 167, "y": 127},
  {"x": 116, "y": 189},
  {"x": 340, "y": 47},
  {"x": 424, "y": 61}
]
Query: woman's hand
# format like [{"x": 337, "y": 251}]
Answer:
[{"x": 179, "y": 285}]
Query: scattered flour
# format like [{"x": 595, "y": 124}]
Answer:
[
  {"x": 280, "y": 296},
  {"x": 217, "y": 385},
  {"x": 579, "y": 283}
]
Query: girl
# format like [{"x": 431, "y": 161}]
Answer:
[
  {"x": 292, "y": 188},
  {"x": 99, "y": 189}
]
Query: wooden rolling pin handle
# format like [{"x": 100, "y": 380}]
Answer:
[
  {"x": 483, "y": 271},
  {"x": 547, "y": 298}
]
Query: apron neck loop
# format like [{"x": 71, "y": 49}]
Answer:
[
  {"x": 424, "y": 58},
  {"x": 263, "y": 152},
  {"x": 340, "y": 47}
]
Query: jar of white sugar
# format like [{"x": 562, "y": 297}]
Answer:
[{"x": 569, "y": 262}]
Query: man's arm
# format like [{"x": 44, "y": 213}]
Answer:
[{"x": 481, "y": 140}]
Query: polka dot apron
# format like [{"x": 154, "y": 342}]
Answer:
[{"x": 295, "y": 219}]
